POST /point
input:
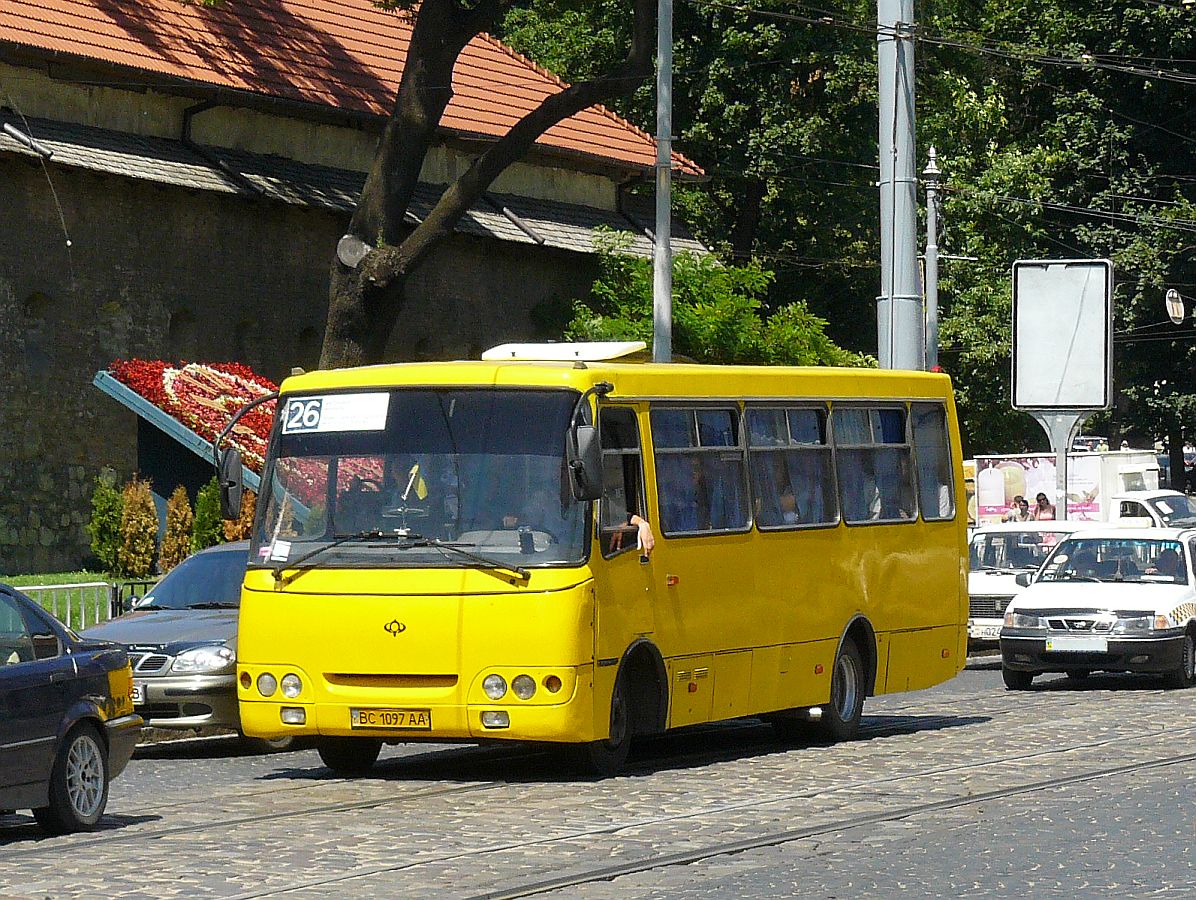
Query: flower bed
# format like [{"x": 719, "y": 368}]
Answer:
[{"x": 205, "y": 397}]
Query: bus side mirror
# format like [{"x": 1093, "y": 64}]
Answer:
[
  {"x": 230, "y": 483},
  {"x": 585, "y": 462},
  {"x": 1023, "y": 579}
]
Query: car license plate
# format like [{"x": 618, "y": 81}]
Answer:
[
  {"x": 410, "y": 719},
  {"x": 1077, "y": 645},
  {"x": 985, "y": 632},
  {"x": 138, "y": 692}
]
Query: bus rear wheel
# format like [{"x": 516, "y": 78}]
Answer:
[
  {"x": 349, "y": 756},
  {"x": 840, "y": 719}
]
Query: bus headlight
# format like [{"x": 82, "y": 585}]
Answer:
[
  {"x": 292, "y": 686},
  {"x": 267, "y": 684},
  {"x": 495, "y": 687},
  {"x": 201, "y": 660},
  {"x": 524, "y": 686},
  {"x": 1022, "y": 620}
]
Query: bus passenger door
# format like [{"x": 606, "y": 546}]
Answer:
[{"x": 624, "y": 592}]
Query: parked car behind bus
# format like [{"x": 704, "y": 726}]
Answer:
[
  {"x": 182, "y": 639},
  {"x": 67, "y": 725}
]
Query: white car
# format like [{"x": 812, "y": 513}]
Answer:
[
  {"x": 997, "y": 554},
  {"x": 1107, "y": 599}
]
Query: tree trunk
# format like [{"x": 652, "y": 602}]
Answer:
[
  {"x": 365, "y": 301},
  {"x": 747, "y": 220}
]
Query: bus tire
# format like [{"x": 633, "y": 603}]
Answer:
[
  {"x": 1015, "y": 680},
  {"x": 78, "y": 783},
  {"x": 608, "y": 756},
  {"x": 1185, "y": 675},
  {"x": 840, "y": 719},
  {"x": 349, "y": 756}
]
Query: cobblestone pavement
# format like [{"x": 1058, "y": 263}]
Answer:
[{"x": 919, "y": 806}]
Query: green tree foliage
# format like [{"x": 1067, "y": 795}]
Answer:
[
  {"x": 107, "y": 505},
  {"x": 176, "y": 544},
  {"x": 718, "y": 313},
  {"x": 138, "y": 530},
  {"x": 208, "y": 530},
  {"x": 1062, "y": 131}
]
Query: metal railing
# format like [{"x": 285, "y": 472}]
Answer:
[
  {"x": 76, "y": 605},
  {"x": 88, "y": 603}
]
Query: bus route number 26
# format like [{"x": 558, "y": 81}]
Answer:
[{"x": 302, "y": 415}]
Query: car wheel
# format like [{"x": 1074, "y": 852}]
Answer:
[
  {"x": 608, "y": 756},
  {"x": 78, "y": 783},
  {"x": 349, "y": 756},
  {"x": 841, "y": 716},
  {"x": 1185, "y": 675},
  {"x": 1015, "y": 680}
]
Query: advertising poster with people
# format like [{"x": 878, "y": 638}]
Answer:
[{"x": 1022, "y": 488}]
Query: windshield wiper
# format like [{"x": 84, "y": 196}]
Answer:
[
  {"x": 336, "y": 542},
  {"x": 213, "y": 604},
  {"x": 410, "y": 541},
  {"x": 484, "y": 562}
]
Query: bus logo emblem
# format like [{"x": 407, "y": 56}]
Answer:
[{"x": 394, "y": 627}]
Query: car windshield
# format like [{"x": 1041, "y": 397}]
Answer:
[
  {"x": 1175, "y": 511},
  {"x": 204, "y": 580},
  {"x": 1012, "y": 550},
  {"x": 1145, "y": 560},
  {"x": 483, "y": 469}
]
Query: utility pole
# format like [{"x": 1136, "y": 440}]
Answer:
[
  {"x": 899, "y": 318},
  {"x": 662, "y": 250},
  {"x": 931, "y": 173}
]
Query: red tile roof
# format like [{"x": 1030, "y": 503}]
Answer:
[{"x": 343, "y": 53}]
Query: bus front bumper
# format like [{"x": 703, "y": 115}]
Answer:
[{"x": 402, "y": 716}]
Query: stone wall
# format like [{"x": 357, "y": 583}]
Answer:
[{"x": 165, "y": 273}]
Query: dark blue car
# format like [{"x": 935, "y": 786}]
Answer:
[{"x": 67, "y": 725}]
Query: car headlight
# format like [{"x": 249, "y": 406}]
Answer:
[
  {"x": 1141, "y": 624},
  {"x": 204, "y": 659},
  {"x": 1022, "y": 620}
]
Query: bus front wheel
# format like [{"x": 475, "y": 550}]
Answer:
[
  {"x": 349, "y": 756},
  {"x": 840, "y": 719},
  {"x": 607, "y": 757}
]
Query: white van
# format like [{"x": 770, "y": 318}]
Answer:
[
  {"x": 997, "y": 553},
  {"x": 1106, "y": 599}
]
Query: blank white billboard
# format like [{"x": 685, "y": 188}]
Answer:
[{"x": 1062, "y": 334}]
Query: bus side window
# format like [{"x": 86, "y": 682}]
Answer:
[
  {"x": 936, "y": 493},
  {"x": 790, "y": 460},
  {"x": 622, "y": 479},
  {"x": 874, "y": 465},
  {"x": 700, "y": 470}
]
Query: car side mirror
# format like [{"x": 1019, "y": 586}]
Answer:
[
  {"x": 585, "y": 462},
  {"x": 131, "y": 603},
  {"x": 1023, "y": 579},
  {"x": 231, "y": 486}
]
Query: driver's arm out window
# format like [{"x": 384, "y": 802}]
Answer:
[{"x": 622, "y": 479}]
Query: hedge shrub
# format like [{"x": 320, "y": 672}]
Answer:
[
  {"x": 208, "y": 529},
  {"x": 107, "y": 505},
  {"x": 138, "y": 530},
  {"x": 176, "y": 545}
]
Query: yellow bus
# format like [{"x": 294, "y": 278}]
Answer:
[{"x": 453, "y": 551}]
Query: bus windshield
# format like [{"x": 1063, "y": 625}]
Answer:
[{"x": 483, "y": 469}]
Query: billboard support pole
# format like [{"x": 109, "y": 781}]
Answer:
[{"x": 1061, "y": 429}]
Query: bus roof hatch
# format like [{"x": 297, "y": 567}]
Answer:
[{"x": 585, "y": 351}]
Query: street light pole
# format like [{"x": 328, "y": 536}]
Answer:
[
  {"x": 932, "y": 173},
  {"x": 899, "y": 316},
  {"x": 662, "y": 250}
]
